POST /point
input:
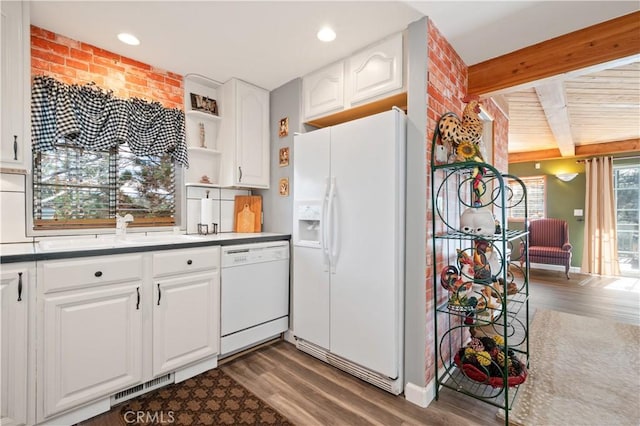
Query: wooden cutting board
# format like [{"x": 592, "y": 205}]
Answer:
[{"x": 247, "y": 213}]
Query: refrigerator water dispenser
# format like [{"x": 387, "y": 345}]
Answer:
[{"x": 308, "y": 226}]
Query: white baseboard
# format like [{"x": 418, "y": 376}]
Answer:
[
  {"x": 574, "y": 269},
  {"x": 422, "y": 396},
  {"x": 418, "y": 395},
  {"x": 289, "y": 337}
]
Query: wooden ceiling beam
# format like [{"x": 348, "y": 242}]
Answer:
[
  {"x": 608, "y": 41},
  {"x": 524, "y": 157},
  {"x": 619, "y": 147},
  {"x": 554, "y": 103},
  {"x": 596, "y": 149}
]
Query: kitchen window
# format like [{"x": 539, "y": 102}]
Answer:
[
  {"x": 75, "y": 188},
  {"x": 536, "y": 198},
  {"x": 96, "y": 156}
]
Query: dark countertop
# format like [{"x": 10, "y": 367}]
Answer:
[{"x": 29, "y": 252}]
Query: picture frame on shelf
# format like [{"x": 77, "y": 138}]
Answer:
[{"x": 204, "y": 104}]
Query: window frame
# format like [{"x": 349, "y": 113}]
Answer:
[
  {"x": 525, "y": 180},
  {"x": 45, "y": 227}
]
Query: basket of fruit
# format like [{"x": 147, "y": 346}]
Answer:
[{"x": 483, "y": 360}]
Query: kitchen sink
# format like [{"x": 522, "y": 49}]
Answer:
[{"x": 111, "y": 241}]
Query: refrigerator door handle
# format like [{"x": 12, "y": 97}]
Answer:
[
  {"x": 324, "y": 227},
  {"x": 333, "y": 226}
]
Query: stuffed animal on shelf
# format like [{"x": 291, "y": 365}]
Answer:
[{"x": 477, "y": 221}]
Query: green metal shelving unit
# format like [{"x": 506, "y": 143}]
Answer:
[{"x": 456, "y": 187}]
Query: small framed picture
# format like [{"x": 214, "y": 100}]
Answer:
[
  {"x": 283, "y": 128},
  {"x": 284, "y": 156},
  {"x": 283, "y": 187},
  {"x": 204, "y": 104}
]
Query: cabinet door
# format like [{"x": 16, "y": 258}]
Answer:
[
  {"x": 252, "y": 136},
  {"x": 92, "y": 345},
  {"x": 12, "y": 151},
  {"x": 376, "y": 70},
  {"x": 323, "y": 91},
  {"x": 185, "y": 320},
  {"x": 14, "y": 288}
]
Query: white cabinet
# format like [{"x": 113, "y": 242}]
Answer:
[
  {"x": 91, "y": 331},
  {"x": 14, "y": 213},
  {"x": 186, "y": 307},
  {"x": 323, "y": 90},
  {"x": 202, "y": 124},
  {"x": 370, "y": 74},
  {"x": 16, "y": 294},
  {"x": 108, "y": 323},
  {"x": 15, "y": 42},
  {"x": 376, "y": 70},
  {"x": 244, "y": 134}
]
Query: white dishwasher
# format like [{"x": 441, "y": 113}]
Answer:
[{"x": 254, "y": 294}]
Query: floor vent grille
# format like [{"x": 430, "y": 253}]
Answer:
[
  {"x": 134, "y": 391},
  {"x": 390, "y": 385}
]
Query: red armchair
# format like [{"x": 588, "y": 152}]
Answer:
[{"x": 548, "y": 243}]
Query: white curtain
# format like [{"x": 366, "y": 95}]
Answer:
[{"x": 600, "y": 253}]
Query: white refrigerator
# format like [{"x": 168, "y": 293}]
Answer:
[{"x": 348, "y": 246}]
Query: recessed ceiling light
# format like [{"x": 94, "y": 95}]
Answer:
[
  {"x": 128, "y": 39},
  {"x": 326, "y": 34}
]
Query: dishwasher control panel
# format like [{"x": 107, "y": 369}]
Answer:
[{"x": 254, "y": 253}]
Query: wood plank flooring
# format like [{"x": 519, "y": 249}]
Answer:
[{"x": 310, "y": 392}]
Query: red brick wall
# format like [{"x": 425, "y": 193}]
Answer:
[
  {"x": 75, "y": 62},
  {"x": 500, "y": 135},
  {"x": 447, "y": 86}
]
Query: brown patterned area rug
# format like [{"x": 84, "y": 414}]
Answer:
[
  {"x": 583, "y": 371},
  {"x": 211, "y": 398}
]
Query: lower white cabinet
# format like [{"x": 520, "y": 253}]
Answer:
[
  {"x": 16, "y": 294},
  {"x": 92, "y": 344},
  {"x": 121, "y": 320},
  {"x": 186, "y": 308}
]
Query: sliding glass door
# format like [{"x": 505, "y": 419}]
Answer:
[{"x": 627, "y": 193}]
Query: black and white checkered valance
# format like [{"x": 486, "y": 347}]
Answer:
[{"x": 94, "y": 119}]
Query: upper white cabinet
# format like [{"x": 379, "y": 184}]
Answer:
[
  {"x": 202, "y": 124},
  {"x": 372, "y": 73},
  {"x": 376, "y": 70},
  {"x": 323, "y": 90},
  {"x": 244, "y": 135},
  {"x": 16, "y": 294},
  {"x": 15, "y": 59}
]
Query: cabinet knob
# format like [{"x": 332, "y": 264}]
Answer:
[
  {"x": 189, "y": 262},
  {"x": 98, "y": 274}
]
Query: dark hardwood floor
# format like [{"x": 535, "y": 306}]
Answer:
[{"x": 310, "y": 392}]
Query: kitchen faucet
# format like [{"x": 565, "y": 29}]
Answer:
[{"x": 121, "y": 224}]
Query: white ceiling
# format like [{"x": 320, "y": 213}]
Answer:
[{"x": 270, "y": 43}]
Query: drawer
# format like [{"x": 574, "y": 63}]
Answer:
[
  {"x": 187, "y": 260},
  {"x": 86, "y": 272}
]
